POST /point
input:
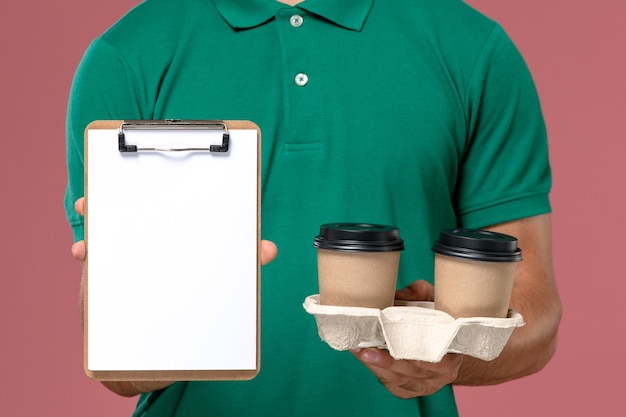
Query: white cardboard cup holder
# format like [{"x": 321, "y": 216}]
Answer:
[{"x": 412, "y": 330}]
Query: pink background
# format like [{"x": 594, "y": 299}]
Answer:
[{"x": 576, "y": 51}]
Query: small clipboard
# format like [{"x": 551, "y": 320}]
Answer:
[{"x": 172, "y": 232}]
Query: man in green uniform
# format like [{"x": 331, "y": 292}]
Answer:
[{"x": 416, "y": 113}]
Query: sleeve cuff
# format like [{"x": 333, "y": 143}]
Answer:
[{"x": 505, "y": 211}]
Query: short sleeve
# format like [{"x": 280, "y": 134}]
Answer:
[
  {"x": 505, "y": 172},
  {"x": 101, "y": 90}
]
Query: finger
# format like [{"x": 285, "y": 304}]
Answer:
[
  {"x": 381, "y": 358},
  {"x": 449, "y": 364},
  {"x": 408, "y": 378},
  {"x": 78, "y": 250},
  {"x": 419, "y": 290},
  {"x": 269, "y": 251},
  {"x": 399, "y": 384},
  {"x": 79, "y": 206}
]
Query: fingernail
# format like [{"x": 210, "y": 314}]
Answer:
[{"x": 370, "y": 356}]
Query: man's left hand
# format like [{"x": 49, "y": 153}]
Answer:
[{"x": 408, "y": 378}]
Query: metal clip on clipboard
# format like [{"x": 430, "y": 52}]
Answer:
[{"x": 173, "y": 124}]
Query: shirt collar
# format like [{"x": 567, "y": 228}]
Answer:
[{"x": 245, "y": 14}]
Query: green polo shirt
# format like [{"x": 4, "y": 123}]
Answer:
[{"x": 420, "y": 114}]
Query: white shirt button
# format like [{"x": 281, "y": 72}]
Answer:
[
  {"x": 296, "y": 20},
  {"x": 301, "y": 79}
]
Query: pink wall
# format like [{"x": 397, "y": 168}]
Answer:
[{"x": 577, "y": 53}]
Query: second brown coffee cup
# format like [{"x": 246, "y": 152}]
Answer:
[
  {"x": 474, "y": 272},
  {"x": 358, "y": 264}
]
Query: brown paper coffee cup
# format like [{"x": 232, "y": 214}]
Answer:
[
  {"x": 358, "y": 264},
  {"x": 474, "y": 272}
]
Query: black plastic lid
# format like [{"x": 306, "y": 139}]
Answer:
[
  {"x": 479, "y": 245},
  {"x": 359, "y": 237}
]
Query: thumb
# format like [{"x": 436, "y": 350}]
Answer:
[
  {"x": 419, "y": 290},
  {"x": 269, "y": 251}
]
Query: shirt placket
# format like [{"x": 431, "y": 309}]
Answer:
[{"x": 301, "y": 85}]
